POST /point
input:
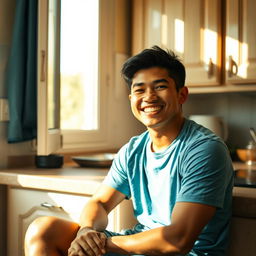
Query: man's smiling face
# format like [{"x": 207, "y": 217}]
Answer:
[{"x": 154, "y": 99}]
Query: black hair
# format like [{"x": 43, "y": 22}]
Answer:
[{"x": 155, "y": 57}]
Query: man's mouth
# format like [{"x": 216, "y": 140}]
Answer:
[{"x": 152, "y": 109}]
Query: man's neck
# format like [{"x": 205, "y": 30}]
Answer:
[{"x": 162, "y": 138}]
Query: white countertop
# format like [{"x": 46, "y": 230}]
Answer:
[{"x": 68, "y": 179}]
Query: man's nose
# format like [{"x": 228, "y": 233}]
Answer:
[{"x": 150, "y": 94}]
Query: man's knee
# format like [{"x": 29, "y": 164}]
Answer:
[
  {"x": 50, "y": 233},
  {"x": 42, "y": 228}
]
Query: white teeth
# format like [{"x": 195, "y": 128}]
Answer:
[{"x": 151, "y": 109}]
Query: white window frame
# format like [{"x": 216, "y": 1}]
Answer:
[
  {"x": 49, "y": 140},
  {"x": 99, "y": 139}
]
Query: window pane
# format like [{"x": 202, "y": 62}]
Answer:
[{"x": 79, "y": 64}]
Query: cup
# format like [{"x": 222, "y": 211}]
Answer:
[{"x": 251, "y": 154}]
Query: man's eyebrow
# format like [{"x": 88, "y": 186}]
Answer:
[
  {"x": 162, "y": 80},
  {"x": 137, "y": 84}
]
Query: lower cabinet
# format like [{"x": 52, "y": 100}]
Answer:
[
  {"x": 25, "y": 205},
  {"x": 242, "y": 236}
]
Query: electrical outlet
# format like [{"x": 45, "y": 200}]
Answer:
[{"x": 4, "y": 110}]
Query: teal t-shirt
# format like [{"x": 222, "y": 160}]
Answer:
[{"x": 196, "y": 167}]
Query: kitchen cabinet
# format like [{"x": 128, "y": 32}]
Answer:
[
  {"x": 243, "y": 222},
  {"x": 240, "y": 41},
  {"x": 63, "y": 192},
  {"x": 190, "y": 28},
  {"x": 216, "y": 40},
  {"x": 25, "y": 205}
]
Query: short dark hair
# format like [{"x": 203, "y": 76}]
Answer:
[{"x": 155, "y": 57}]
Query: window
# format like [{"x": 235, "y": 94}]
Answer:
[
  {"x": 84, "y": 73},
  {"x": 79, "y": 64},
  {"x": 90, "y": 108}
]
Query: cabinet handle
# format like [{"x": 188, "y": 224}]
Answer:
[
  {"x": 233, "y": 68},
  {"x": 210, "y": 68},
  {"x": 42, "y": 73},
  {"x": 50, "y": 206}
]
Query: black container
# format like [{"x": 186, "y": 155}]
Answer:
[{"x": 50, "y": 161}]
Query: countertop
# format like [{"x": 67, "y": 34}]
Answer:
[
  {"x": 70, "y": 179},
  {"x": 85, "y": 181}
]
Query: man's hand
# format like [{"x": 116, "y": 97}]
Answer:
[{"x": 88, "y": 242}]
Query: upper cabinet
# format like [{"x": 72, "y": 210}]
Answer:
[
  {"x": 240, "y": 41},
  {"x": 216, "y": 40},
  {"x": 190, "y": 28}
]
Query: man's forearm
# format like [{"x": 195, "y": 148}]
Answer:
[
  {"x": 152, "y": 242},
  {"x": 94, "y": 216}
]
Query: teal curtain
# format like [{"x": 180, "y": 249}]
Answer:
[{"x": 21, "y": 74}]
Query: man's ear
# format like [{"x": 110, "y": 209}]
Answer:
[
  {"x": 183, "y": 94},
  {"x": 130, "y": 97}
]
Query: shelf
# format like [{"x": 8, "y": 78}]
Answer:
[{"x": 222, "y": 89}]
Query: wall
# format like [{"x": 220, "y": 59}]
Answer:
[
  {"x": 7, "y": 11},
  {"x": 237, "y": 109},
  {"x": 125, "y": 124}
]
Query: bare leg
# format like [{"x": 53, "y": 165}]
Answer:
[{"x": 49, "y": 236}]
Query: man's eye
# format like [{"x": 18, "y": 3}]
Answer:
[
  {"x": 138, "y": 91},
  {"x": 159, "y": 87}
]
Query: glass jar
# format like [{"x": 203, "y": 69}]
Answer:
[{"x": 251, "y": 153}]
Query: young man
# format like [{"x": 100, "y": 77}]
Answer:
[{"x": 178, "y": 174}]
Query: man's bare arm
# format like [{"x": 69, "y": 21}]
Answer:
[
  {"x": 95, "y": 212},
  {"x": 188, "y": 220},
  {"x": 94, "y": 218}
]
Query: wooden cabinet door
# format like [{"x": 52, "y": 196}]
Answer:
[
  {"x": 190, "y": 28},
  {"x": 146, "y": 24},
  {"x": 240, "y": 41},
  {"x": 24, "y": 206},
  {"x": 153, "y": 23},
  {"x": 193, "y": 32}
]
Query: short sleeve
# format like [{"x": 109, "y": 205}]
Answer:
[
  {"x": 205, "y": 173},
  {"x": 117, "y": 176}
]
